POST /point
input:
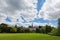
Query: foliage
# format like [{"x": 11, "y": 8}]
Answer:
[
  {"x": 48, "y": 29},
  {"x": 15, "y": 29},
  {"x": 3, "y": 27},
  {"x": 56, "y": 31}
]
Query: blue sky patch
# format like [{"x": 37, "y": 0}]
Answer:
[{"x": 8, "y": 19}]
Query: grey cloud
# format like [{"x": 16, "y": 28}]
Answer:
[
  {"x": 50, "y": 10},
  {"x": 57, "y": 5},
  {"x": 14, "y": 8},
  {"x": 54, "y": 15}
]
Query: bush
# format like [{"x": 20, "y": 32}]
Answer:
[
  {"x": 13, "y": 30},
  {"x": 53, "y": 32}
]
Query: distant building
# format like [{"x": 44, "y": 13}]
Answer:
[{"x": 32, "y": 29}]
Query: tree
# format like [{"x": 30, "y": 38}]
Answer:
[
  {"x": 30, "y": 26},
  {"x": 22, "y": 30},
  {"x": 39, "y": 30},
  {"x": 40, "y": 26},
  {"x": 8, "y": 29},
  {"x": 13, "y": 30},
  {"x": 27, "y": 30},
  {"x": 58, "y": 29},
  {"x": 3, "y": 27},
  {"x": 16, "y": 26},
  {"x": 47, "y": 29},
  {"x": 18, "y": 30}
]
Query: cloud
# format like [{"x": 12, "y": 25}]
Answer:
[
  {"x": 50, "y": 10},
  {"x": 30, "y": 24},
  {"x": 14, "y": 9}
]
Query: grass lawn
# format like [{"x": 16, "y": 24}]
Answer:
[{"x": 27, "y": 36}]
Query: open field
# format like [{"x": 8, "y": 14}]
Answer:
[{"x": 27, "y": 36}]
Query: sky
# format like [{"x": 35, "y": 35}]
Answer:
[{"x": 26, "y": 12}]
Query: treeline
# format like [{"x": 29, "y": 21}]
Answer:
[{"x": 4, "y": 28}]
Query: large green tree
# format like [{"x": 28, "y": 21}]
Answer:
[
  {"x": 58, "y": 29},
  {"x": 48, "y": 29},
  {"x": 3, "y": 27}
]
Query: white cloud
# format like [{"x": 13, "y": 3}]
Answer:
[
  {"x": 50, "y": 10},
  {"x": 39, "y": 24},
  {"x": 30, "y": 24},
  {"x": 17, "y": 8},
  {"x": 28, "y": 14}
]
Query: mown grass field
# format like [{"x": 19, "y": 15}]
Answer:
[{"x": 27, "y": 36}]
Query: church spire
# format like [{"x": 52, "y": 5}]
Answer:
[{"x": 32, "y": 25}]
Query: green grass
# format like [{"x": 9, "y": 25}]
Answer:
[{"x": 27, "y": 36}]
